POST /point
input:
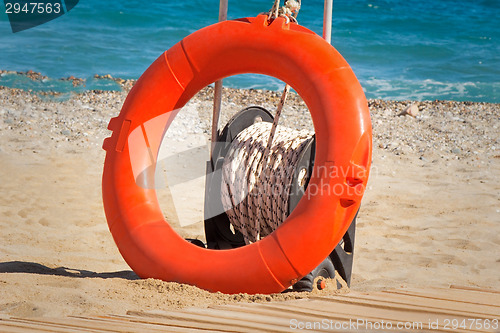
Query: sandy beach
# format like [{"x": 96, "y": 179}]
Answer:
[{"x": 430, "y": 216}]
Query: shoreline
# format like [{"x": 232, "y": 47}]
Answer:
[
  {"x": 429, "y": 216},
  {"x": 127, "y": 84},
  {"x": 436, "y": 120}
]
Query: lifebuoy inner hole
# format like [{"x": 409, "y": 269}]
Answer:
[{"x": 181, "y": 164}]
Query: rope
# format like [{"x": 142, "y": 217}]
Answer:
[
  {"x": 255, "y": 189},
  {"x": 290, "y": 10},
  {"x": 255, "y": 176}
]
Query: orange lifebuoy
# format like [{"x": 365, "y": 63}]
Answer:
[{"x": 342, "y": 124}]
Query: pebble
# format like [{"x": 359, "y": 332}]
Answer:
[{"x": 412, "y": 110}]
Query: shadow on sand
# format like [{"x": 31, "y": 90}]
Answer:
[{"x": 35, "y": 268}]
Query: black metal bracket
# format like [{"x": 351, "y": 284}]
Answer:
[{"x": 217, "y": 226}]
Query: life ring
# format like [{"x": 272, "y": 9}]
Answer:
[{"x": 342, "y": 124}]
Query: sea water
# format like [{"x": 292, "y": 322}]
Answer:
[{"x": 399, "y": 50}]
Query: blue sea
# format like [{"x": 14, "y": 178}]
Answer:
[{"x": 399, "y": 50}]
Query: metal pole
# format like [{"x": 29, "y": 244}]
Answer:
[
  {"x": 218, "y": 88},
  {"x": 222, "y": 10},
  {"x": 327, "y": 21}
]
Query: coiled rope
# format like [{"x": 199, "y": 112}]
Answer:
[
  {"x": 259, "y": 167},
  {"x": 255, "y": 189}
]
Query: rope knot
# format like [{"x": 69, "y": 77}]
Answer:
[{"x": 289, "y": 11}]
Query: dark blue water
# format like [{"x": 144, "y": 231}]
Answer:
[{"x": 422, "y": 50}]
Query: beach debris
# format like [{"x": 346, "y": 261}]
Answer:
[
  {"x": 35, "y": 76},
  {"x": 411, "y": 110},
  {"x": 105, "y": 76},
  {"x": 5, "y": 72},
  {"x": 125, "y": 84},
  {"x": 76, "y": 81}
]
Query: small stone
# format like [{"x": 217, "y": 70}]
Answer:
[
  {"x": 65, "y": 132},
  {"x": 412, "y": 110},
  {"x": 456, "y": 151},
  {"x": 388, "y": 113}
]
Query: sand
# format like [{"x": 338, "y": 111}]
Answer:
[{"x": 430, "y": 216}]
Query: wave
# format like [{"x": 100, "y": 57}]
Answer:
[{"x": 431, "y": 90}]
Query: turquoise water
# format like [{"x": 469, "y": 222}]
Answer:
[{"x": 423, "y": 50}]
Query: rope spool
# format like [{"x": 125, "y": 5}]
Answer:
[{"x": 256, "y": 180}]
